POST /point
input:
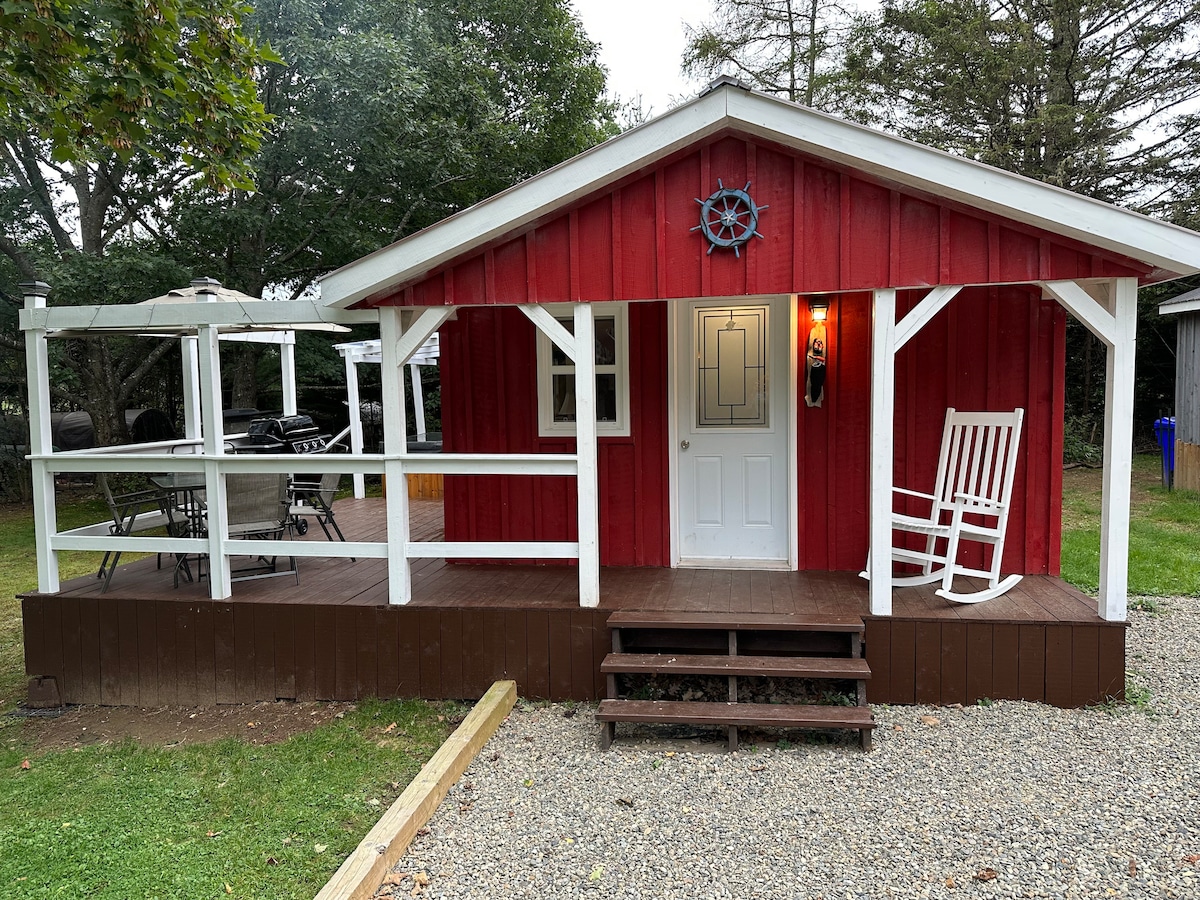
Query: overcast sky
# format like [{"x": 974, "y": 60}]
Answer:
[{"x": 641, "y": 42}]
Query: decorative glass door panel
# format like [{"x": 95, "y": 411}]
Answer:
[
  {"x": 732, "y": 456},
  {"x": 732, "y": 367}
]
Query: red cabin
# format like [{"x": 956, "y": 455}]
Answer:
[{"x": 682, "y": 372}]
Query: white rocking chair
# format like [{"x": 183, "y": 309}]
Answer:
[{"x": 970, "y": 502}]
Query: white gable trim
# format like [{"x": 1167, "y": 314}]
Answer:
[{"x": 1155, "y": 243}]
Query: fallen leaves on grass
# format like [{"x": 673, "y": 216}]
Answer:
[{"x": 25, "y": 765}]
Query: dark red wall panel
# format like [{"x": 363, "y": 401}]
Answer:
[{"x": 489, "y": 404}]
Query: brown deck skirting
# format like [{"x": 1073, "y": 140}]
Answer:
[{"x": 335, "y": 637}]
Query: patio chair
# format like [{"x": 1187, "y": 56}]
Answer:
[
  {"x": 257, "y": 509},
  {"x": 314, "y": 499},
  {"x": 133, "y": 512},
  {"x": 970, "y": 502}
]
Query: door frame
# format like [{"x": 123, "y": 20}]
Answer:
[{"x": 675, "y": 323}]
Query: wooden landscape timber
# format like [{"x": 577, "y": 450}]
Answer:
[{"x": 359, "y": 876}]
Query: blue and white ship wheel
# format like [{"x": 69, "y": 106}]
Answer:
[{"x": 729, "y": 218}]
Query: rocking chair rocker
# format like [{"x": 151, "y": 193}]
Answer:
[{"x": 970, "y": 502}]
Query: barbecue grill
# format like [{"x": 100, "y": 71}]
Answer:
[{"x": 284, "y": 434}]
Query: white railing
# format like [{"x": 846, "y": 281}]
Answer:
[{"x": 163, "y": 457}]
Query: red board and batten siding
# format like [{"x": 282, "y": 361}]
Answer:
[
  {"x": 826, "y": 229},
  {"x": 992, "y": 348}
]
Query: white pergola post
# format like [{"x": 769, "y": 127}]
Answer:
[
  {"x": 418, "y": 395},
  {"x": 191, "y": 387},
  {"x": 37, "y": 371},
  {"x": 212, "y": 425},
  {"x": 1109, "y": 311},
  {"x": 587, "y": 455},
  {"x": 883, "y": 404},
  {"x": 356, "y": 432},
  {"x": 287, "y": 374}
]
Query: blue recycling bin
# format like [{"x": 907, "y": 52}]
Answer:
[{"x": 1164, "y": 432}]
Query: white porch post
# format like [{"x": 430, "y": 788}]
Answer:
[
  {"x": 191, "y": 387},
  {"x": 1109, "y": 311},
  {"x": 37, "y": 373},
  {"x": 1118, "y": 453},
  {"x": 587, "y": 456},
  {"x": 883, "y": 401},
  {"x": 208, "y": 345},
  {"x": 356, "y": 432},
  {"x": 287, "y": 366},
  {"x": 395, "y": 430}
]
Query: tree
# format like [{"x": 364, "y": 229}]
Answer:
[
  {"x": 107, "y": 108},
  {"x": 1090, "y": 95},
  {"x": 1096, "y": 96},
  {"x": 122, "y": 75},
  {"x": 389, "y": 115},
  {"x": 792, "y": 48}
]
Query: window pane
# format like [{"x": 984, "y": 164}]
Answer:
[
  {"x": 564, "y": 398},
  {"x": 606, "y": 398},
  {"x": 606, "y": 341},
  {"x": 731, "y": 366}
]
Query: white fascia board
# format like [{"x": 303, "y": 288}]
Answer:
[
  {"x": 1189, "y": 302},
  {"x": 186, "y": 317},
  {"x": 974, "y": 184},
  {"x": 526, "y": 202}
]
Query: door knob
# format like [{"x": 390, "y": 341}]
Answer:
[{"x": 685, "y": 444}]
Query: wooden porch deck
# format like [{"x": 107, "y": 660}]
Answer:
[{"x": 334, "y": 635}]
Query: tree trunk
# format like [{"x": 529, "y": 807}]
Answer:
[{"x": 243, "y": 376}]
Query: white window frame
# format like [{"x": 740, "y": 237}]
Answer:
[{"x": 619, "y": 427}]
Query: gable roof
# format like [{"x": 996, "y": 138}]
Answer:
[{"x": 729, "y": 106}]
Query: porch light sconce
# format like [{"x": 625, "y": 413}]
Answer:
[{"x": 819, "y": 307}]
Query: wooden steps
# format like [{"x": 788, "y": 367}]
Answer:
[
  {"x": 754, "y": 666},
  {"x": 812, "y": 648},
  {"x": 693, "y": 712},
  {"x": 642, "y": 618}
]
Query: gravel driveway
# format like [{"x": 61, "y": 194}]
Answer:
[{"x": 1008, "y": 800}]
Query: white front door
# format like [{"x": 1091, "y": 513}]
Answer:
[{"x": 733, "y": 433}]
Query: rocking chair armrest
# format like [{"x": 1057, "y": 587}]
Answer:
[
  {"x": 907, "y": 492},
  {"x": 975, "y": 503}
]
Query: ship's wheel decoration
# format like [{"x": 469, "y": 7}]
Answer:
[{"x": 729, "y": 218}]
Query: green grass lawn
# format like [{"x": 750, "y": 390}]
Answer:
[
  {"x": 217, "y": 820},
  {"x": 225, "y": 819},
  {"x": 1164, "y": 532}
]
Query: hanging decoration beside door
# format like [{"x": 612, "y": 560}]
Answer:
[{"x": 815, "y": 367}]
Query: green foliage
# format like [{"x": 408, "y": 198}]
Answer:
[
  {"x": 98, "y": 76},
  {"x": 1079, "y": 441},
  {"x": 1164, "y": 536},
  {"x": 390, "y": 116},
  {"x": 793, "y": 49},
  {"x": 274, "y": 821},
  {"x": 1063, "y": 92}
]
